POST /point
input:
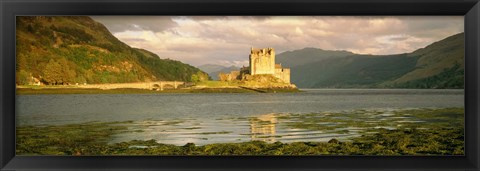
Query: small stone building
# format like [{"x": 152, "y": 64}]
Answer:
[
  {"x": 233, "y": 75},
  {"x": 282, "y": 73}
]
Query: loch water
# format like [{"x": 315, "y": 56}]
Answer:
[{"x": 226, "y": 117}]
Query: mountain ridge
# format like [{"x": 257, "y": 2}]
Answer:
[{"x": 426, "y": 67}]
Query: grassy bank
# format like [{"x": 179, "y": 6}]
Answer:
[
  {"x": 201, "y": 89},
  {"x": 26, "y": 91},
  {"x": 23, "y": 91},
  {"x": 443, "y": 134}
]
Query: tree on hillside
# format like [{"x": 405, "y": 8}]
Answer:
[
  {"x": 199, "y": 77},
  {"x": 22, "y": 62},
  {"x": 68, "y": 75},
  {"x": 195, "y": 78},
  {"x": 23, "y": 77},
  {"x": 53, "y": 73}
]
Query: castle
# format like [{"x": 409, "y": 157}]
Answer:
[{"x": 262, "y": 62}]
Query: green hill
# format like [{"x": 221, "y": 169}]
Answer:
[
  {"x": 76, "y": 49},
  {"x": 354, "y": 71},
  {"x": 439, "y": 65}
]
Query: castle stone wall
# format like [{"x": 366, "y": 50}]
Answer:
[
  {"x": 262, "y": 61},
  {"x": 283, "y": 74}
]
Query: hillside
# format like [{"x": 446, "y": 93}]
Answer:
[
  {"x": 213, "y": 70},
  {"x": 76, "y": 49},
  {"x": 354, "y": 71},
  {"x": 439, "y": 65},
  {"x": 440, "y": 59}
]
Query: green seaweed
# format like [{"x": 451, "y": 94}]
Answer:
[
  {"x": 221, "y": 132},
  {"x": 441, "y": 134}
]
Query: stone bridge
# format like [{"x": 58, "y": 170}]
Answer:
[{"x": 158, "y": 85}]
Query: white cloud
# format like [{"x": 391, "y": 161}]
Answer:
[{"x": 226, "y": 40}]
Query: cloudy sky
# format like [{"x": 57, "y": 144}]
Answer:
[{"x": 226, "y": 40}]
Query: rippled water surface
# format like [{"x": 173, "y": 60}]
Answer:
[{"x": 216, "y": 118}]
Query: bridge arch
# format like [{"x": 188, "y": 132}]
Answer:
[
  {"x": 161, "y": 85},
  {"x": 157, "y": 87}
]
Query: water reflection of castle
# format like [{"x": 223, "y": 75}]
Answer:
[{"x": 262, "y": 128}]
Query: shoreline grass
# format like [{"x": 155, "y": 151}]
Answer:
[
  {"x": 35, "y": 91},
  {"x": 199, "y": 87}
]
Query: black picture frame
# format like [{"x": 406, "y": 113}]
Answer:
[{"x": 11, "y": 8}]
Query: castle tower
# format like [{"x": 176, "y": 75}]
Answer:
[{"x": 262, "y": 61}]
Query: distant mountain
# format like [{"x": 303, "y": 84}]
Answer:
[
  {"x": 308, "y": 55},
  {"x": 213, "y": 70},
  {"x": 209, "y": 68},
  {"x": 439, "y": 65},
  {"x": 214, "y": 75},
  {"x": 77, "y": 49}
]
